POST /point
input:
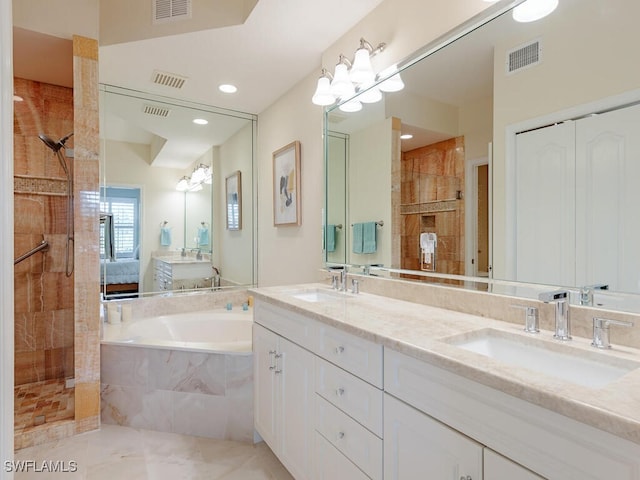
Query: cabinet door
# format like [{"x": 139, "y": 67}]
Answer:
[
  {"x": 295, "y": 374},
  {"x": 265, "y": 344},
  {"x": 417, "y": 446},
  {"x": 496, "y": 467}
]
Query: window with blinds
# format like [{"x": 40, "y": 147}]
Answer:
[{"x": 124, "y": 205}]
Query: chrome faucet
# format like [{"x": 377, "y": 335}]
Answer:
[
  {"x": 339, "y": 279},
  {"x": 560, "y": 298},
  {"x": 586, "y": 293}
]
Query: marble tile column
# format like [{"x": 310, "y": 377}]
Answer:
[{"x": 87, "y": 234}]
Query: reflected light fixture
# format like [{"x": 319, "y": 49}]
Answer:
[
  {"x": 533, "y": 10},
  {"x": 393, "y": 82},
  {"x": 17, "y": 98},
  {"x": 200, "y": 121},
  {"x": 354, "y": 77},
  {"x": 183, "y": 184},
  {"x": 201, "y": 174},
  {"x": 406, "y": 136}
]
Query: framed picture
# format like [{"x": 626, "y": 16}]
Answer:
[
  {"x": 233, "y": 190},
  {"x": 286, "y": 185}
]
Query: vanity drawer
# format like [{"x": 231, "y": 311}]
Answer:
[
  {"x": 360, "y": 357},
  {"x": 358, "y": 399},
  {"x": 356, "y": 442},
  {"x": 297, "y": 328},
  {"x": 332, "y": 465}
]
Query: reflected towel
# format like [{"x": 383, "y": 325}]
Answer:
[
  {"x": 165, "y": 236},
  {"x": 369, "y": 237},
  {"x": 331, "y": 238},
  {"x": 203, "y": 236},
  {"x": 357, "y": 237}
]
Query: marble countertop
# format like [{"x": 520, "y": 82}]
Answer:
[{"x": 425, "y": 333}]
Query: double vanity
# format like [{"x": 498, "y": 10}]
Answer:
[{"x": 365, "y": 386}]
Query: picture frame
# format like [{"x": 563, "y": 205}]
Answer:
[
  {"x": 286, "y": 185},
  {"x": 233, "y": 196}
]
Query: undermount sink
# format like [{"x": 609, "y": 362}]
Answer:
[
  {"x": 317, "y": 295},
  {"x": 590, "y": 369}
]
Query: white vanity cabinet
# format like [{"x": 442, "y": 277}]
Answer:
[
  {"x": 496, "y": 467},
  {"x": 417, "y": 446},
  {"x": 480, "y": 419},
  {"x": 317, "y": 396},
  {"x": 175, "y": 274},
  {"x": 283, "y": 399}
]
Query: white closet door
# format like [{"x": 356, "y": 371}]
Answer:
[
  {"x": 608, "y": 196},
  {"x": 545, "y": 205}
]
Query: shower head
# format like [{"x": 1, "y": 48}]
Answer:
[{"x": 53, "y": 145}]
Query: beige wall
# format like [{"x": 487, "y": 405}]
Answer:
[
  {"x": 128, "y": 167},
  {"x": 370, "y": 189},
  {"x": 233, "y": 257},
  {"x": 578, "y": 67},
  {"x": 58, "y": 18},
  {"x": 293, "y": 254}
]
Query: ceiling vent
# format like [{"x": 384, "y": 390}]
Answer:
[
  {"x": 168, "y": 79},
  {"x": 523, "y": 57},
  {"x": 171, "y": 10},
  {"x": 156, "y": 110}
]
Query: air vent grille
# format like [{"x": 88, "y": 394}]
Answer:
[
  {"x": 156, "y": 110},
  {"x": 524, "y": 56},
  {"x": 168, "y": 79},
  {"x": 170, "y": 10}
]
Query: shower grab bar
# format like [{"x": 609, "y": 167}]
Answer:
[{"x": 44, "y": 246}]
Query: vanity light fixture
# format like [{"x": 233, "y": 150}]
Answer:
[
  {"x": 533, "y": 10},
  {"x": 357, "y": 76},
  {"x": 200, "y": 121},
  {"x": 227, "y": 88},
  {"x": 406, "y": 136}
]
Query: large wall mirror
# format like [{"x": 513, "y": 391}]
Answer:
[
  {"x": 524, "y": 160},
  {"x": 163, "y": 208}
]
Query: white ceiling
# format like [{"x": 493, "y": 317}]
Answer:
[{"x": 280, "y": 44}]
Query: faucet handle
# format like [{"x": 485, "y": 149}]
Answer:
[
  {"x": 531, "y": 318},
  {"x": 601, "y": 331}
]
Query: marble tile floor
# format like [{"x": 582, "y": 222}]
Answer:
[
  {"x": 49, "y": 399},
  {"x": 116, "y": 452}
]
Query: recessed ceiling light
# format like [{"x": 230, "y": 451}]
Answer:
[
  {"x": 406, "y": 136},
  {"x": 228, "y": 88},
  {"x": 200, "y": 121},
  {"x": 17, "y": 98}
]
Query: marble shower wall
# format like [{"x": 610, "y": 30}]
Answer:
[
  {"x": 80, "y": 298},
  {"x": 431, "y": 178},
  {"x": 44, "y": 297},
  {"x": 193, "y": 393}
]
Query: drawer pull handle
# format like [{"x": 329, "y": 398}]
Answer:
[
  {"x": 272, "y": 352},
  {"x": 340, "y": 392},
  {"x": 339, "y": 350},
  {"x": 468, "y": 477},
  {"x": 340, "y": 435}
]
